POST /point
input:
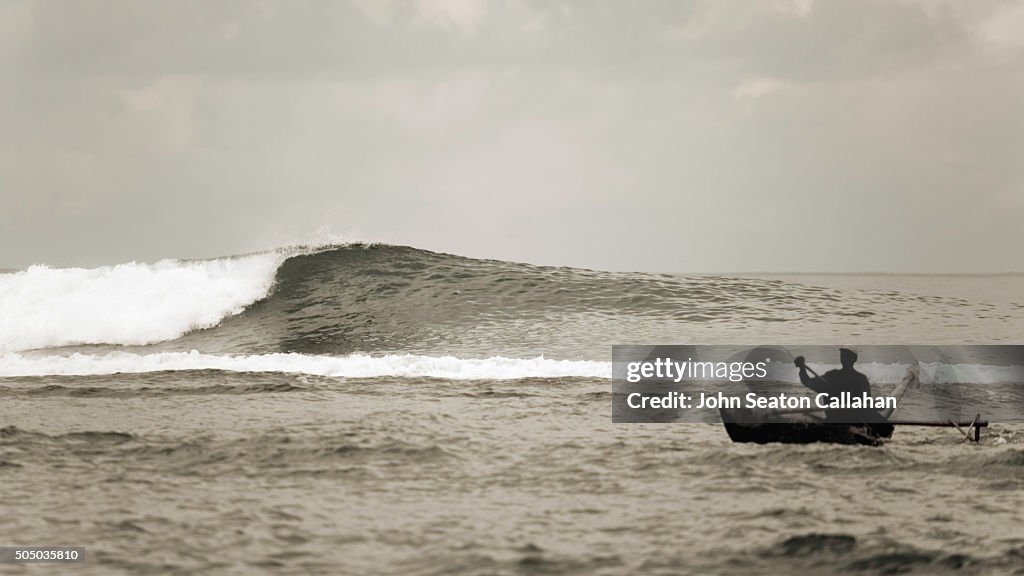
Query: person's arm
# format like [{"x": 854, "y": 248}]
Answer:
[{"x": 816, "y": 384}]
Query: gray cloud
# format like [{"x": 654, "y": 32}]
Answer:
[{"x": 700, "y": 136}]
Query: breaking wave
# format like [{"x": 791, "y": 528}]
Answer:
[
  {"x": 370, "y": 309},
  {"x": 130, "y": 304}
]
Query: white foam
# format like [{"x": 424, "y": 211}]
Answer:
[
  {"x": 352, "y": 366},
  {"x": 130, "y": 304},
  {"x": 15, "y": 364}
]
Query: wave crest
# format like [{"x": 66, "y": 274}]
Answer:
[{"x": 127, "y": 304}]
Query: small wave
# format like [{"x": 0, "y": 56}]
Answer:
[
  {"x": 100, "y": 436},
  {"x": 77, "y": 391},
  {"x": 352, "y": 366},
  {"x": 85, "y": 436},
  {"x": 818, "y": 552},
  {"x": 815, "y": 543},
  {"x": 1011, "y": 458}
]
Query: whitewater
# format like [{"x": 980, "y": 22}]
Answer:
[
  {"x": 411, "y": 365},
  {"x": 130, "y": 304}
]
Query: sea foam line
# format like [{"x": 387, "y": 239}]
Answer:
[
  {"x": 351, "y": 366},
  {"x": 410, "y": 365}
]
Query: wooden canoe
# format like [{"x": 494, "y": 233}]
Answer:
[{"x": 808, "y": 426}]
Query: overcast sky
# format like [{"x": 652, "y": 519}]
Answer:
[{"x": 672, "y": 136}]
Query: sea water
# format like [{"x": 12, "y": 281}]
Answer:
[{"x": 380, "y": 409}]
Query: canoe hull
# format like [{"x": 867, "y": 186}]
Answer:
[
  {"x": 808, "y": 427},
  {"x": 808, "y": 433}
]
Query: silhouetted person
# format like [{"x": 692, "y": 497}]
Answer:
[{"x": 845, "y": 379}]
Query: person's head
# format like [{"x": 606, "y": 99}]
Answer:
[{"x": 847, "y": 357}]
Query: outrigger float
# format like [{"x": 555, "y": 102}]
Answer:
[{"x": 803, "y": 426}]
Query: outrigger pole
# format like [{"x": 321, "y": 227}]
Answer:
[{"x": 977, "y": 424}]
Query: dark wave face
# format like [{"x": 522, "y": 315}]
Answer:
[{"x": 373, "y": 298}]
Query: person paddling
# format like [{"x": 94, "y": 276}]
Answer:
[{"x": 846, "y": 379}]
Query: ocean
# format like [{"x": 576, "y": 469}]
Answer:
[{"x": 376, "y": 409}]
